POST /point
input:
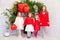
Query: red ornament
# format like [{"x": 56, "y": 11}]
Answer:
[{"x": 13, "y": 27}]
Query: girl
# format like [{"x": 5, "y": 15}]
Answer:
[
  {"x": 44, "y": 19},
  {"x": 19, "y": 23},
  {"x": 36, "y": 25},
  {"x": 29, "y": 22}
]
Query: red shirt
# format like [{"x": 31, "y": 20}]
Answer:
[{"x": 29, "y": 20}]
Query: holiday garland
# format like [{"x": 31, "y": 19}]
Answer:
[{"x": 30, "y": 3}]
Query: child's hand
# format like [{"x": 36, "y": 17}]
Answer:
[
  {"x": 40, "y": 23},
  {"x": 48, "y": 23}
]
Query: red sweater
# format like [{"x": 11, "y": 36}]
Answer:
[
  {"x": 29, "y": 20},
  {"x": 44, "y": 18}
]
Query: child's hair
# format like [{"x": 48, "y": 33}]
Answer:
[
  {"x": 29, "y": 13},
  {"x": 18, "y": 13}
]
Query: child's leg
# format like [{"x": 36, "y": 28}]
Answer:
[
  {"x": 46, "y": 30},
  {"x": 19, "y": 32},
  {"x": 32, "y": 34},
  {"x": 35, "y": 33},
  {"x": 28, "y": 34},
  {"x": 43, "y": 32}
]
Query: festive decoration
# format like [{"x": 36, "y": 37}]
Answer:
[
  {"x": 20, "y": 7},
  {"x": 23, "y": 8},
  {"x": 28, "y": 6},
  {"x": 26, "y": 9},
  {"x": 13, "y": 27}
]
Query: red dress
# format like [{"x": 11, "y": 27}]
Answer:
[
  {"x": 29, "y": 20},
  {"x": 37, "y": 25},
  {"x": 44, "y": 19}
]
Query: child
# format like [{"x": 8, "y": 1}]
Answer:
[
  {"x": 29, "y": 22},
  {"x": 36, "y": 25},
  {"x": 44, "y": 19},
  {"x": 19, "y": 23}
]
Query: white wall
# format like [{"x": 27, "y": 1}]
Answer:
[
  {"x": 4, "y": 4},
  {"x": 54, "y": 13}
]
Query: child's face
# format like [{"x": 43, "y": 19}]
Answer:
[
  {"x": 36, "y": 17},
  {"x": 19, "y": 14},
  {"x": 30, "y": 14},
  {"x": 44, "y": 8}
]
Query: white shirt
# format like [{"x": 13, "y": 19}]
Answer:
[{"x": 19, "y": 22}]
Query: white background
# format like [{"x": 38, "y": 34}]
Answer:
[{"x": 53, "y": 7}]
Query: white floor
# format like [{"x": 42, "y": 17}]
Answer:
[{"x": 33, "y": 38}]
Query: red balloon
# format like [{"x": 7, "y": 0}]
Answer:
[
  {"x": 23, "y": 8},
  {"x": 13, "y": 27},
  {"x": 25, "y": 4},
  {"x": 26, "y": 9},
  {"x": 20, "y": 7}
]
